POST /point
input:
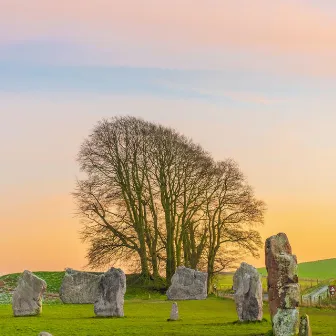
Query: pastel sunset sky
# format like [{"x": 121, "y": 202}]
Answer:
[{"x": 252, "y": 80}]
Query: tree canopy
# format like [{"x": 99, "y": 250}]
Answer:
[{"x": 152, "y": 197}]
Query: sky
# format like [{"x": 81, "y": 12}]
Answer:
[{"x": 251, "y": 80}]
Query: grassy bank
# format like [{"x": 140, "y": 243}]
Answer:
[
  {"x": 320, "y": 269},
  {"x": 136, "y": 287},
  {"x": 311, "y": 275},
  {"x": 225, "y": 281}
]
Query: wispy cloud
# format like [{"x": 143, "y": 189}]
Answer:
[
  {"x": 248, "y": 97},
  {"x": 278, "y": 25},
  {"x": 211, "y": 91},
  {"x": 297, "y": 37}
]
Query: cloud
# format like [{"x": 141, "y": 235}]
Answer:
[
  {"x": 218, "y": 86},
  {"x": 271, "y": 35},
  {"x": 239, "y": 96},
  {"x": 275, "y": 25}
]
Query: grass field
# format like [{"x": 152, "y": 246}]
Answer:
[
  {"x": 146, "y": 313},
  {"x": 311, "y": 274},
  {"x": 225, "y": 281},
  {"x": 320, "y": 269},
  {"x": 209, "y": 317}
]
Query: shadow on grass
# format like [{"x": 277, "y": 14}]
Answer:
[
  {"x": 238, "y": 323},
  {"x": 250, "y": 322},
  {"x": 106, "y": 317},
  {"x": 179, "y": 320}
]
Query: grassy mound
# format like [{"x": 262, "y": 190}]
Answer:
[
  {"x": 320, "y": 269},
  {"x": 312, "y": 275},
  {"x": 136, "y": 286},
  {"x": 53, "y": 280}
]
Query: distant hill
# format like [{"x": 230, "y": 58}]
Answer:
[{"x": 320, "y": 269}]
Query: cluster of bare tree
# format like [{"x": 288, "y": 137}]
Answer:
[{"x": 153, "y": 197}]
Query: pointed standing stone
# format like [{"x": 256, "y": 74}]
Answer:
[
  {"x": 174, "y": 315},
  {"x": 27, "y": 296},
  {"x": 248, "y": 293},
  {"x": 111, "y": 291},
  {"x": 282, "y": 284},
  {"x": 305, "y": 329}
]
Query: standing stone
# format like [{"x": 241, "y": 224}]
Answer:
[
  {"x": 286, "y": 322},
  {"x": 79, "y": 287},
  {"x": 282, "y": 283},
  {"x": 174, "y": 315},
  {"x": 27, "y": 297},
  {"x": 248, "y": 293},
  {"x": 305, "y": 329},
  {"x": 188, "y": 284},
  {"x": 111, "y": 291}
]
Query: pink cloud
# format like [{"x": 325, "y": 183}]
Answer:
[
  {"x": 172, "y": 33},
  {"x": 278, "y": 25}
]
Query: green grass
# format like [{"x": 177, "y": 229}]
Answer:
[
  {"x": 224, "y": 282},
  {"x": 146, "y": 313},
  {"x": 320, "y": 269},
  {"x": 137, "y": 288},
  {"x": 53, "y": 279},
  {"x": 208, "y": 317},
  {"x": 311, "y": 275},
  {"x": 212, "y": 316}
]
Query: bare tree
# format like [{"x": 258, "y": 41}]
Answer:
[
  {"x": 232, "y": 212},
  {"x": 153, "y": 197},
  {"x": 111, "y": 157}
]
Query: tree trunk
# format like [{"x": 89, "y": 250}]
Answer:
[
  {"x": 210, "y": 270},
  {"x": 144, "y": 265},
  {"x": 171, "y": 263}
]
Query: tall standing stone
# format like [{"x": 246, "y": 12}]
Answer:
[
  {"x": 188, "y": 284},
  {"x": 305, "y": 329},
  {"x": 248, "y": 293},
  {"x": 111, "y": 291},
  {"x": 27, "y": 296},
  {"x": 283, "y": 287},
  {"x": 79, "y": 287},
  {"x": 174, "y": 315}
]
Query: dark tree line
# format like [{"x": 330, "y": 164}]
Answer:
[{"x": 152, "y": 197}]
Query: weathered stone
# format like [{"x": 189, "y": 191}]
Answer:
[
  {"x": 111, "y": 291},
  {"x": 305, "y": 329},
  {"x": 27, "y": 297},
  {"x": 174, "y": 315},
  {"x": 79, "y": 287},
  {"x": 44, "y": 333},
  {"x": 248, "y": 293},
  {"x": 286, "y": 322},
  {"x": 188, "y": 284},
  {"x": 282, "y": 281}
]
